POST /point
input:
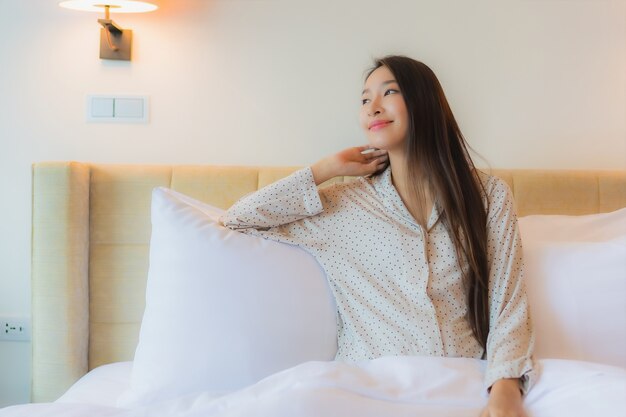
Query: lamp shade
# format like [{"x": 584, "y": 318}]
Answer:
[{"x": 116, "y": 6}]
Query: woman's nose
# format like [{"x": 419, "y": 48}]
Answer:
[{"x": 374, "y": 109}]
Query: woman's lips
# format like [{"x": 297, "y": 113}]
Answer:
[{"x": 379, "y": 124}]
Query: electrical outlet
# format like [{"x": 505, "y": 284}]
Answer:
[{"x": 14, "y": 329}]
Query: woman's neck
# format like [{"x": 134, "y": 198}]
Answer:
[{"x": 419, "y": 205}]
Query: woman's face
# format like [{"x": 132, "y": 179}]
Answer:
[{"x": 383, "y": 114}]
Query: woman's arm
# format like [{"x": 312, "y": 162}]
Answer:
[
  {"x": 287, "y": 200},
  {"x": 357, "y": 161},
  {"x": 296, "y": 196},
  {"x": 511, "y": 339}
]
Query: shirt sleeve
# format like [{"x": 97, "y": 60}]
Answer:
[
  {"x": 284, "y": 211},
  {"x": 511, "y": 338}
]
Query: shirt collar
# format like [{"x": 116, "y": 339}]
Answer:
[{"x": 391, "y": 199}]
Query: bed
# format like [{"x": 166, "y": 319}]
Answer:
[{"x": 92, "y": 256}]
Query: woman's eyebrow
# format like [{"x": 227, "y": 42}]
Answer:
[{"x": 367, "y": 90}]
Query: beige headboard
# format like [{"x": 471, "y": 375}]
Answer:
[{"x": 90, "y": 242}]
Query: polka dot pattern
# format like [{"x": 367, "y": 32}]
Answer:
[{"x": 398, "y": 286}]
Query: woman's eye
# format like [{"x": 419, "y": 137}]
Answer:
[
  {"x": 391, "y": 91},
  {"x": 365, "y": 101}
]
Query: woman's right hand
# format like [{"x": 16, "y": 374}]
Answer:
[{"x": 356, "y": 161}]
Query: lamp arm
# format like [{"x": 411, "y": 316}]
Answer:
[
  {"x": 110, "y": 26},
  {"x": 111, "y": 45}
]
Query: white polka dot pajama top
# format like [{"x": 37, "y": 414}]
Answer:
[{"x": 399, "y": 288}]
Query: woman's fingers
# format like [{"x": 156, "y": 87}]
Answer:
[
  {"x": 381, "y": 166},
  {"x": 360, "y": 160},
  {"x": 381, "y": 160},
  {"x": 377, "y": 165},
  {"x": 376, "y": 153}
]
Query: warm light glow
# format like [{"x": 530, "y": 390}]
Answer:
[{"x": 116, "y": 6}]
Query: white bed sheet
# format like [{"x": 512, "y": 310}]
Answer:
[{"x": 398, "y": 386}]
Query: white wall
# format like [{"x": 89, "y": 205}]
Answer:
[{"x": 533, "y": 83}]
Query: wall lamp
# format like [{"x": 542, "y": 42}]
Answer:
[{"x": 115, "y": 42}]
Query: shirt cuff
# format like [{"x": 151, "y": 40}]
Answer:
[
  {"x": 311, "y": 200},
  {"x": 526, "y": 370}
]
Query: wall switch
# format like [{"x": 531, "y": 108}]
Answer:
[
  {"x": 101, "y": 107},
  {"x": 14, "y": 329},
  {"x": 129, "y": 107},
  {"x": 117, "y": 108}
]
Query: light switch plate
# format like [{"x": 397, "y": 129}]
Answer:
[{"x": 117, "y": 108}]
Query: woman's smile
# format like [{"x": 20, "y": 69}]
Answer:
[{"x": 379, "y": 124}]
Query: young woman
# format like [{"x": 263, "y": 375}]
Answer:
[{"x": 422, "y": 251}]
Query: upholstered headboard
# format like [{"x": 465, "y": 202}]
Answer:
[{"x": 90, "y": 243}]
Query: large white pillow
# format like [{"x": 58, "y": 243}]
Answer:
[
  {"x": 223, "y": 309},
  {"x": 576, "y": 285}
]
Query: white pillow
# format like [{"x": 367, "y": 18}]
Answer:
[
  {"x": 223, "y": 309},
  {"x": 100, "y": 386},
  {"x": 576, "y": 285}
]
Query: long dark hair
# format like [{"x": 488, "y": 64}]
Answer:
[{"x": 437, "y": 155}]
